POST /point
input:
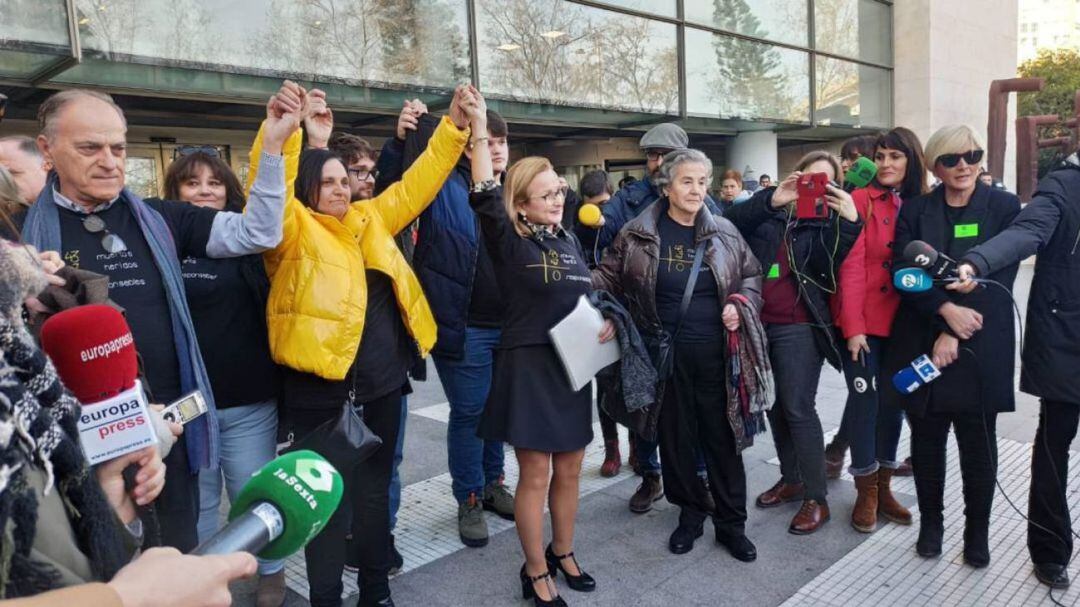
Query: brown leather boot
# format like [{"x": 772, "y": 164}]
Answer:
[
  {"x": 650, "y": 490},
  {"x": 271, "y": 590},
  {"x": 835, "y": 452},
  {"x": 864, "y": 514},
  {"x": 904, "y": 469},
  {"x": 887, "y": 506},
  {"x": 612, "y": 459},
  {"x": 780, "y": 493}
]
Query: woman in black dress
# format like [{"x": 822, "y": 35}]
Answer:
[
  {"x": 969, "y": 337},
  {"x": 541, "y": 272}
]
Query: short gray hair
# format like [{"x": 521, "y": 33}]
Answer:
[
  {"x": 675, "y": 159},
  {"x": 27, "y": 145},
  {"x": 11, "y": 199},
  {"x": 52, "y": 106}
]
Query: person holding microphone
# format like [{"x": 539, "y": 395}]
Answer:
[
  {"x": 976, "y": 383},
  {"x": 1050, "y": 226},
  {"x": 649, "y": 265},
  {"x": 542, "y": 274},
  {"x": 864, "y": 307}
]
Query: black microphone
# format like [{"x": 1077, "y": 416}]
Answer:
[{"x": 937, "y": 265}]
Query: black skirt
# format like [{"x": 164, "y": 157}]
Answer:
[{"x": 531, "y": 404}]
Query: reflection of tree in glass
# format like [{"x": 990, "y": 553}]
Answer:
[
  {"x": 109, "y": 27},
  {"x": 560, "y": 53},
  {"x": 400, "y": 41},
  {"x": 32, "y": 21},
  {"x": 140, "y": 176},
  {"x": 750, "y": 81},
  {"x": 836, "y": 28}
]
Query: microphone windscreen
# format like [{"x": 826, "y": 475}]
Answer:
[
  {"x": 912, "y": 280},
  {"x": 861, "y": 173},
  {"x": 304, "y": 487},
  {"x": 590, "y": 215},
  {"x": 93, "y": 351},
  {"x": 920, "y": 254},
  {"x": 906, "y": 381}
]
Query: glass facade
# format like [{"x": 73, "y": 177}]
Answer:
[{"x": 603, "y": 62}]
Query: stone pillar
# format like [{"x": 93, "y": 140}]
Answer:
[{"x": 756, "y": 149}]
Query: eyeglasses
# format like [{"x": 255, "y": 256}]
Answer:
[
  {"x": 362, "y": 175},
  {"x": 109, "y": 241},
  {"x": 655, "y": 155},
  {"x": 552, "y": 196},
  {"x": 949, "y": 161},
  {"x": 188, "y": 150}
]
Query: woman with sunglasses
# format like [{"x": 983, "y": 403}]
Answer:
[
  {"x": 864, "y": 307},
  {"x": 969, "y": 338},
  {"x": 227, "y": 299}
]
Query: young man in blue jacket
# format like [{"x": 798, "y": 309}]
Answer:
[{"x": 459, "y": 281}]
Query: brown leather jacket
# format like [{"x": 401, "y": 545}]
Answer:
[{"x": 629, "y": 267}]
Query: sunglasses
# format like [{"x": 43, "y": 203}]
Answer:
[
  {"x": 188, "y": 150},
  {"x": 109, "y": 241},
  {"x": 949, "y": 161}
]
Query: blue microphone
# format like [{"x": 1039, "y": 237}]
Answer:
[
  {"x": 912, "y": 280},
  {"x": 921, "y": 371}
]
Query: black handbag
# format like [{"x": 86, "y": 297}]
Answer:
[
  {"x": 662, "y": 348},
  {"x": 344, "y": 440}
]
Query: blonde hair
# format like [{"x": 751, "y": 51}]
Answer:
[
  {"x": 953, "y": 139},
  {"x": 11, "y": 199},
  {"x": 516, "y": 190},
  {"x": 817, "y": 156}
]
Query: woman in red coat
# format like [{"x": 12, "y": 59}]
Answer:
[{"x": 864, "y": 307}]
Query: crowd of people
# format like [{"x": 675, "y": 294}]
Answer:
[{"x": 316, "y": 290}]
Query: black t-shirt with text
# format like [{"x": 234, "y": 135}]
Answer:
[{"x": 703, "y": 322}]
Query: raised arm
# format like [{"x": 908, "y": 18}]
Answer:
[
  {"x": 259, "y": 227},
  {"x": 403, "y": 201}
]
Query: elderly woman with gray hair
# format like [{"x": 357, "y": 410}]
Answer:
[{"x": 678, "y": 266}]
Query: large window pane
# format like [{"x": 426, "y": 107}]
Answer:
[
  {"x": 565, "y": 53},
  {"x": 33, "y": 35},
  {"x": 729, "y": 77},
  {"x": 665, "y": 8},
  {"x": 779, "y": 20},
  {"x": 860, "y": 29},
  {"x": 852, "y": 94},
  {"x": 419, "y": 42}
]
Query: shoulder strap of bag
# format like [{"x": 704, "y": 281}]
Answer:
[{"x": 688, "y": 293}]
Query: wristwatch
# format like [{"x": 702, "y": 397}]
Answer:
[{"x": 485, "y": 186}]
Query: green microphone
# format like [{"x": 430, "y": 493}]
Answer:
[
  {"x": 280, "y": 509},
  {"x": 861, "y": 173}
]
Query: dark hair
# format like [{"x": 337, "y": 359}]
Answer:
[
  {"x": 350, "y": 148},
  {"x": 863, "y": 145},
  {"x": 496, "y": 124},
  {"x": 309, "y": 175},
  {"x": 625, "y": 181},
  {"x": 986, "y": 173},
  {"x": 763, "y": 177},
  {"x": 187, "y": 167},
  {"x": 904, "y": 140},
  {"x": 595, "y": 183}
]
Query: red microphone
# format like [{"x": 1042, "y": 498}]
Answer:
[{"x": 94, "y": 354}]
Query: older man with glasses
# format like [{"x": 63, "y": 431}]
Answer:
[{"x": 86, "y": 213}]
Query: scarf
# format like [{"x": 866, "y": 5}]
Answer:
[
  {"x": 42, "y": 229},
  {"x": 38, "y": 430},
  {"x": 638, "y": 375},
  {"x": 749, "y": 375}
]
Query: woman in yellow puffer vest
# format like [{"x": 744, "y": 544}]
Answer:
[{"x": 347, "y": 319}]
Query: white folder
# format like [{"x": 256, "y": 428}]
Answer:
[{"x": 576, "y": 340}]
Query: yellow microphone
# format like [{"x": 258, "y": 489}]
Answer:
[{"x": 590, "y": 215}]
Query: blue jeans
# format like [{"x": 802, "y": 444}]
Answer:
[
  {"x": 248, "y": 436},
  {"x": 474, "y": 462},
  {"x": 873, "y": 428},
  {"x": 399, "y": 453}
]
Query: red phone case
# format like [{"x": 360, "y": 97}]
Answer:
[{"x": 811, "y": 202}]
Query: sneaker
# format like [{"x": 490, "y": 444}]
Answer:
[
  {"x": 472, "y": 528},
  {"x": 498, "y": 499},
  {"x": 396, "y": 560}
]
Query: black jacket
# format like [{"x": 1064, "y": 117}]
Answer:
[
  {"x": 818, "y": 248},
  {"x": 1049, "y": 225},
  {"x": 983, "y": 374}
]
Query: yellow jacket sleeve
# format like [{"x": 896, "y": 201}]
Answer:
[
  {"x": 404, "y": 200},
  {"x": 291, "y": 151}
]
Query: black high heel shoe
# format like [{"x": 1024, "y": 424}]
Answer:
[
  {"x": 529, "y": 592},
  {"x": 582, "y": 583}
]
